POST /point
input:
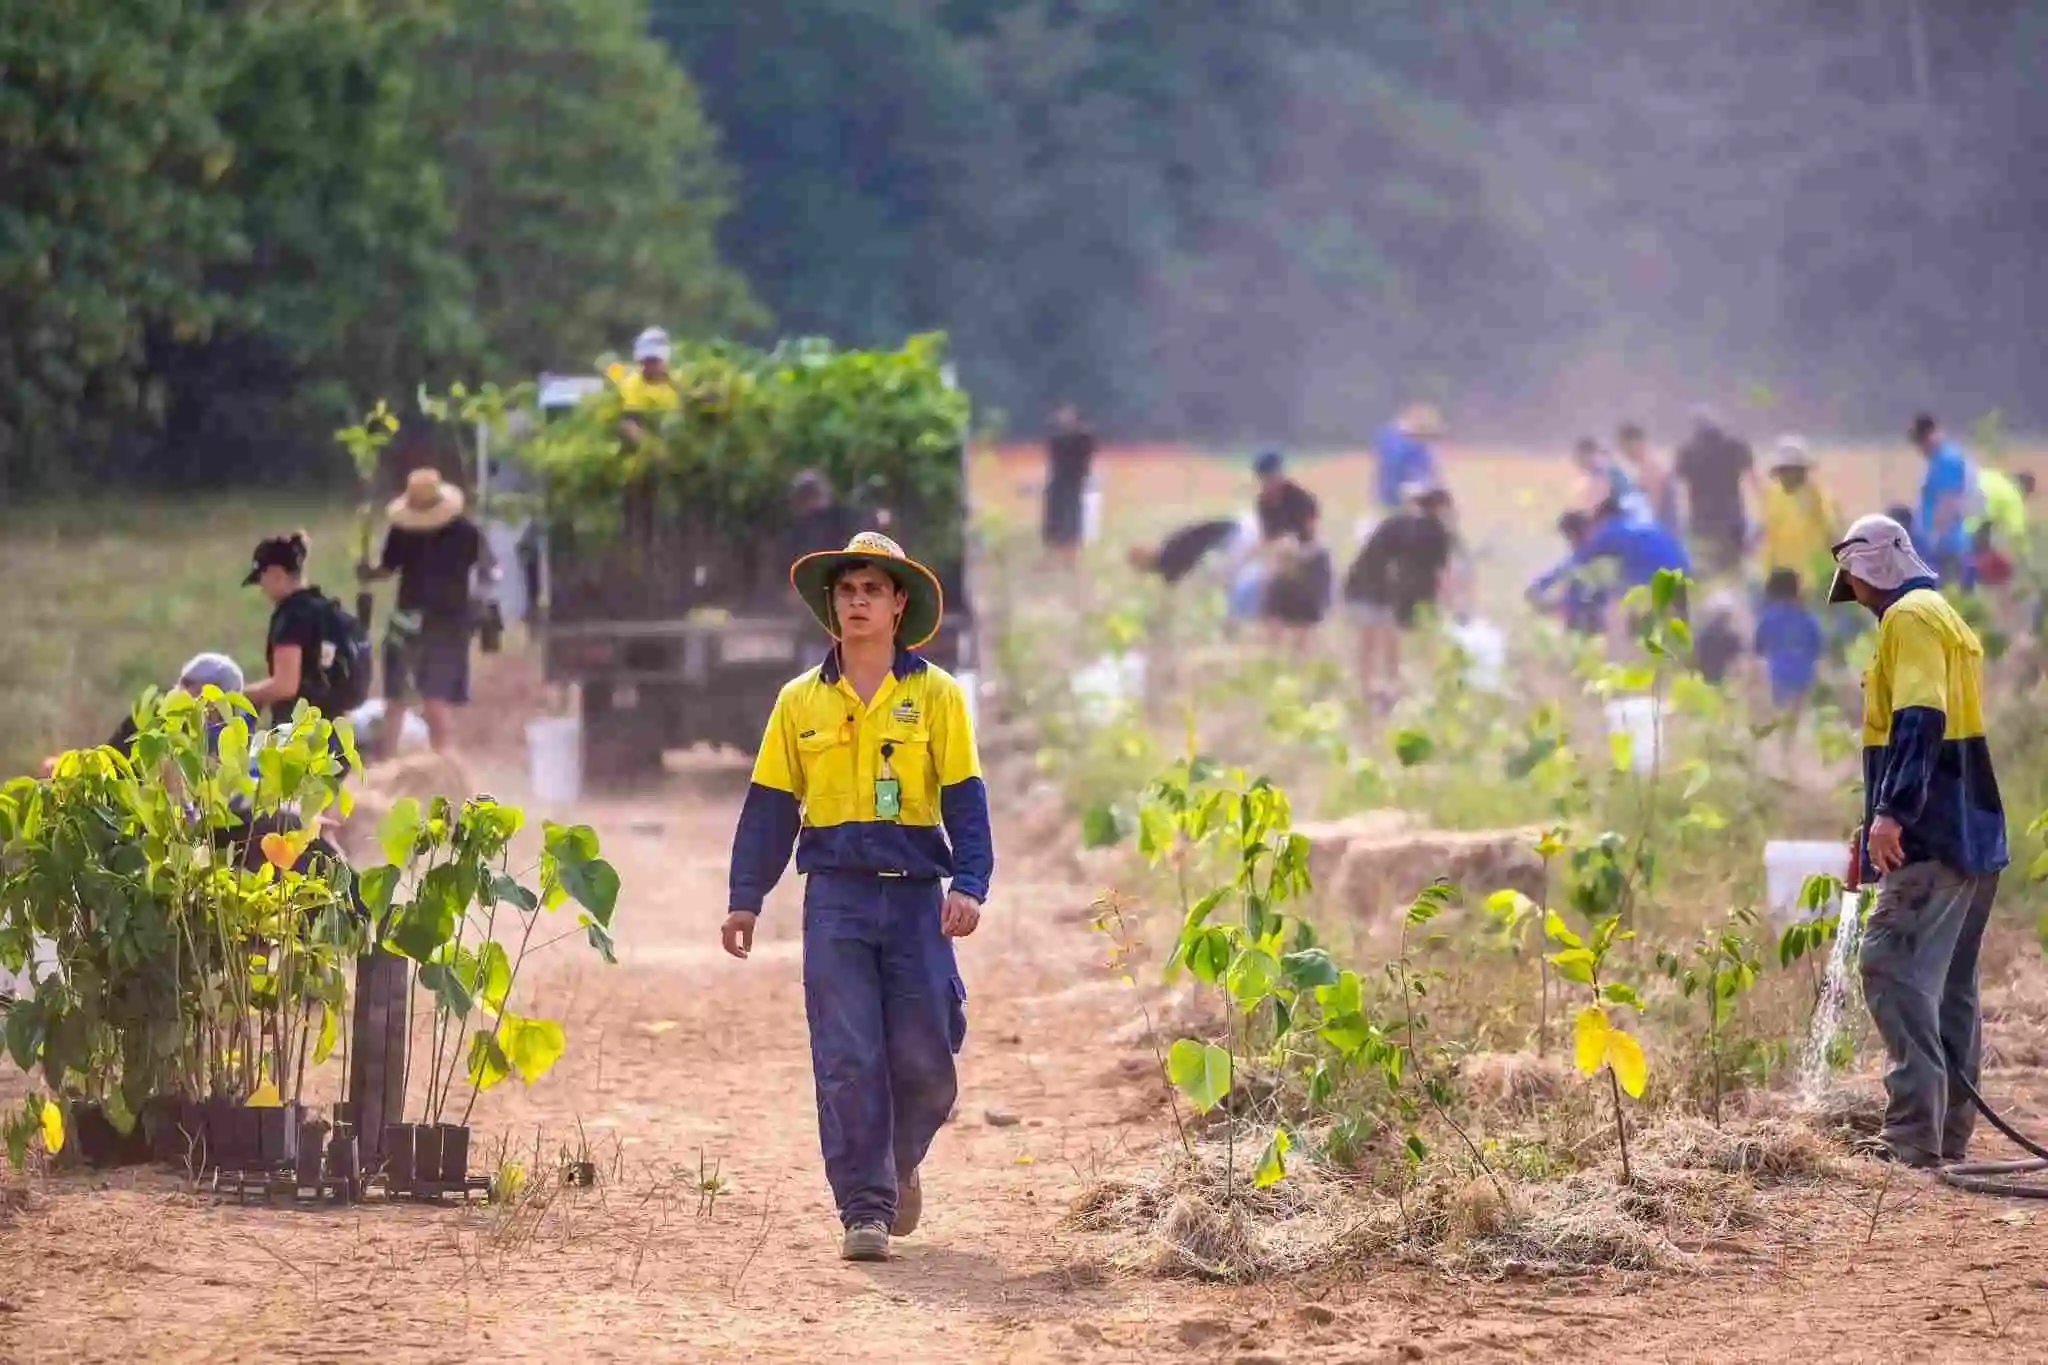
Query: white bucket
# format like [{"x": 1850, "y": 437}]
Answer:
[
  {"x": 1787, "y": 865},
  {"x": 554, "y": 754},
  {"x": 1485, "y": 651},
  {"x": 1106, "y": 685},
  {"x": 1091, "y": 513},
  {"x": 1637, "y": 717}
]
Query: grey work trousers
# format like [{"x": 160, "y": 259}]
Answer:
[{"x": 1919, "y": 966}]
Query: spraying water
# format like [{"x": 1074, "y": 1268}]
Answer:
[{"x": 1827, "y": 1014}]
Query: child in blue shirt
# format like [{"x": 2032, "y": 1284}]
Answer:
[{"x": 1789, "y": 640}]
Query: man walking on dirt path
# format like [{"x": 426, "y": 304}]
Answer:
[
  {"x": 432, "y": 549},
  {"x": 869, "y": 768},
  {"x": 1933, "y": 835}
]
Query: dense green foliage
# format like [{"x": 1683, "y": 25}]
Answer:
[
  {"x": 884, "y": 424},
  {"x": 229, "y": 224},
  {"x": 1289, "y": 217}
]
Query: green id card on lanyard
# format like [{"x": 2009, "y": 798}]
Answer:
[{"x": 888, "y": 791}]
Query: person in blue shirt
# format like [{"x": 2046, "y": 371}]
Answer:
[
  {"x": 1582, "y": 601},
  {"x": 1948, "y": 492},
  {"x": 1789, "y": 640},
  {"x": 1404, "y": 456}
]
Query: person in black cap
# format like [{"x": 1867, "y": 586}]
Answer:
[{"x": 296, "y": 649}]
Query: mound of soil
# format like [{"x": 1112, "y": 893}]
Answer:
[{"x": 1371, "y": 866}]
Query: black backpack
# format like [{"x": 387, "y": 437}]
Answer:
[{"x": 344, "y": 682}]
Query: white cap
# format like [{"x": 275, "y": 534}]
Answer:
[
  {"x": 1878, "y": 551},
  {"x": 651, "y": 344},
  {"x": 1791, "y": 453},
  {"x": 216, "y": 670}
]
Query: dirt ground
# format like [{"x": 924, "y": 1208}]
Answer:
[{"x": 679, "y": 1055}]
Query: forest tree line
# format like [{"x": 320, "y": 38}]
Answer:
[{"x": 228, "y": 222}]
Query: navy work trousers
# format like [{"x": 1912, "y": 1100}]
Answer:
[{"x": 887, "y": 1013}]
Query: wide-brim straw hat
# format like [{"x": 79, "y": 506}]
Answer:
[
  {"x": 1420, "y": 420},
  {"x": 925, "y": 604},
  {"x": 428, "y": 503}
]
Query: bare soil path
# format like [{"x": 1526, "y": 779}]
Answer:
[{"x": 680, "y": 1054}]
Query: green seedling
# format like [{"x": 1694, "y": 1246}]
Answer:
[
  {"x": 1597, "y": 1042},
  {"x": 1720, "y": 967}
]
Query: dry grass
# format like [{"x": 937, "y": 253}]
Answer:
[
  {"x": 1694, "y": 1187},
  {"x": 1768, "y": 1151}
]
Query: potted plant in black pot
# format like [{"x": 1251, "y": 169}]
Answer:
[{"x": 465, "y": 904}]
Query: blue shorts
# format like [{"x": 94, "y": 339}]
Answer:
[{"x": 431, "y": 666}]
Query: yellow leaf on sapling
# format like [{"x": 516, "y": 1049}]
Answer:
[
  {"x": 1625, "y": 1055},
  {"x": 1589, "y": 1039},
  {"x": 52, "y": 1122}
]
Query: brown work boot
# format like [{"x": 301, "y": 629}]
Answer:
[
  {"x": 909, "y": 1204},
  {"x": 865, "y": 1242}
]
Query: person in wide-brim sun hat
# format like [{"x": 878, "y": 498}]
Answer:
[
  {"x": 428, "y": 503},
  {"x": 925, "y": 601}
]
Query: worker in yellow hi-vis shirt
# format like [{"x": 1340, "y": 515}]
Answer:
[
  {"x": 1933, "y": 839},
  {"x": 646, "y": 391},
  {"x": 869, "y": 769}
]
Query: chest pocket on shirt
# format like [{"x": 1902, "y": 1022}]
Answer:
[
  {"x": 910, "y": 758},
  {"x": 826, "y": 757}
]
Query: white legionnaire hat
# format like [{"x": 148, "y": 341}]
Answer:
[
  {"x": 1878, "y": 551},
  {"x": 651, "y": 344}
]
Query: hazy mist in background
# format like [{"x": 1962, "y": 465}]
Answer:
[{"x": 1237, "y": 220}]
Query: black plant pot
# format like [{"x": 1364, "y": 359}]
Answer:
[
  {"x": 246, "y": 1147},
  {"x": 344, "y": 1166},
  {"x": 399, "y": 1170},
  {"x": 92, "y": 1134},
  {"x": 426, "y": 1153},
  {"x": 191, "y": 1148},
  {"x": 454, "y": 1153},
  {"x": 219, "y": 1121},
  {"x": 277, "y": 1134},
  {"x": 158, "y": 1124},
  {"x": 312, "y": 1146}
]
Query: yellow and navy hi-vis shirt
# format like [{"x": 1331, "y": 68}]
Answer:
[
  {"x": 1925, "y": 760},
  {"x": 815, "y": 775},
  {"x": 636, "y": 394}
]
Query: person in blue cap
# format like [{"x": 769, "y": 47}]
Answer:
[{"x": 869, "y": 770}]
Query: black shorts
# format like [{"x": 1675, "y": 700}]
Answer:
[
  {"x": 1062, "y": 526},
  {"x": 431, "y": 666}
]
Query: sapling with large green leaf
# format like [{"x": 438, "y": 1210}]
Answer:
[
  {"x": 1720, "y": 965},
  {"x": 449, "y": 900}
]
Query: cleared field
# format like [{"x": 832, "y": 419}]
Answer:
[{"x": 106, "y": 598}]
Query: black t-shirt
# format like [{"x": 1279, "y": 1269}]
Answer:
[
  {"x": 1713, "y": 465},
  {"x": 1286, "y": 510},
  {"x": 1070, "y": 455},
  {"x": 1180, "y": 552},
  {"x": 124, "y": 736},
  {"x": 1400, "y": 565},
  {"x": 1299, "y": 594},
  {"x": 433, "y": 569},
  {"x": 299, "y": 620}
]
